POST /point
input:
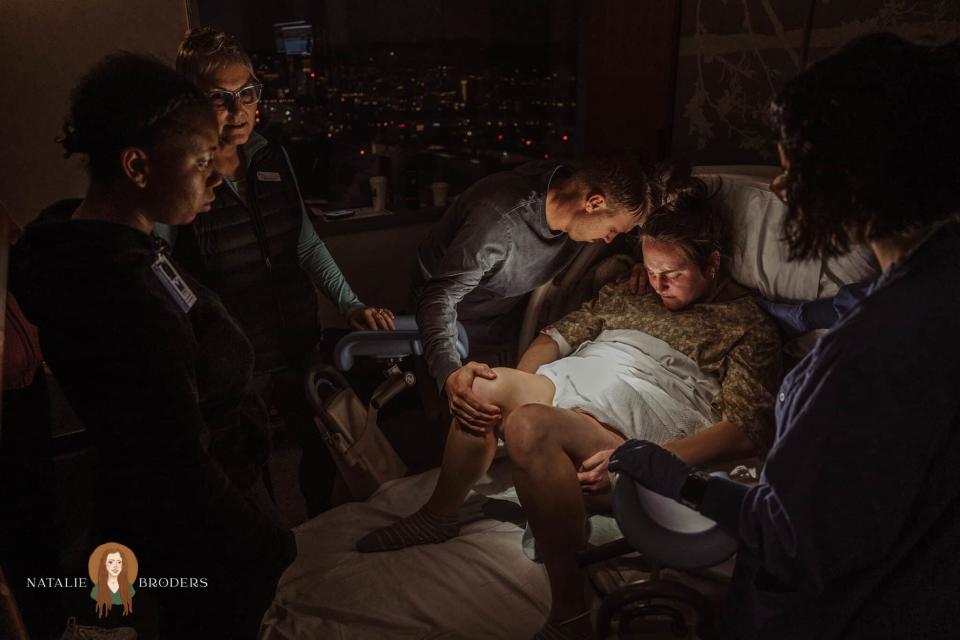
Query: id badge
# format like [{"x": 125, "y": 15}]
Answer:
[
  {"x": 175, "y": 285},
  {"x": 269, "y": 176}
]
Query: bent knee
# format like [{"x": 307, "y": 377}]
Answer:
[
  {"x": 527, "y": 432},
  {"x": 493, "y": 391}
]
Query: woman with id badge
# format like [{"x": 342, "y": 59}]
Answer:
[{"x": 154, "y": 365}]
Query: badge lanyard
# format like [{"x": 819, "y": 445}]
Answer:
[{"x": 175, "y": 285}]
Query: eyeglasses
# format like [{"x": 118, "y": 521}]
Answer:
[
  {"x": 221, "y": 100},
  {"x": 778, "y": 186}
]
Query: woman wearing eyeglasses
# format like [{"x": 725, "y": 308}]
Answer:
[
  {"x": 259, "y": 250},
  {"x": 852, "y": 529}
]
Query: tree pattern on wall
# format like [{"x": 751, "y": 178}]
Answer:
[{"x": 734, "y": 55}]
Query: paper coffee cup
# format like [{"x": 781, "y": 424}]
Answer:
[
  {"x": 439, "y": 190},
  {"x": 378, "y": 188}
]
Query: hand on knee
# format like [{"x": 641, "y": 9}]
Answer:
[{"x": 492, "y": 391}]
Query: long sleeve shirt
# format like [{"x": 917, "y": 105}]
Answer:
[
  {"x": 492, "y": 247},
  {"x": 154, "y": 383},
  {"x": 852, "y": 530}
]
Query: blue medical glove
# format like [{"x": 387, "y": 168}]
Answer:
[
  {"x": 652, "y": 466},
  {"x": 789, "y": 315}
]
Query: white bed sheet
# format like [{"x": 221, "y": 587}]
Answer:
[{"x": 479, "y": 585}]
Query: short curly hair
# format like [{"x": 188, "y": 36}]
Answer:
[
  {"x": 871, "y": 136},
  {"x": 128, "y": 99},
  {"x": 205, "y": 49}
]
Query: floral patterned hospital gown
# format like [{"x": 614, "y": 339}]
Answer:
[{"x": 734, "y": 341}]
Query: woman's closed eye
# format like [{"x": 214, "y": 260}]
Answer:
[{"x": 667, "y": 275}]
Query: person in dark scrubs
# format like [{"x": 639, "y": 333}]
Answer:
[
  {"x": 157, "y": 370},
  {"x": 852, "y": 530}
]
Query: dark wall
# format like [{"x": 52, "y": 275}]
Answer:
[
  {"x": 735, "y": 56},
  {"x": 627, "y": 68}
]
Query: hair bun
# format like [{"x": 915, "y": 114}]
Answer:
[{"x": 673, "y": 182}]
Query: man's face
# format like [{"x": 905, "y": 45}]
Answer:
[
  {"x": 595, "y": 221},
  {"x": 676, "y": 278},
  {"x": 236, "y": 119}
]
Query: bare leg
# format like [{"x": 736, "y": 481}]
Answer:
[
  {"x": 513, "y": 388},
  {"x": 546, "y": 445},
  {"x": 466, "y": 456}
]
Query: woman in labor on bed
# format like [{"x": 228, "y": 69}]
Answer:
[
  {"x": 693, "y": 364},
  {"x": 852, "y": 529}
]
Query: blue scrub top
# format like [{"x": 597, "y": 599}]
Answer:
[{"x": 854, "y": 527}]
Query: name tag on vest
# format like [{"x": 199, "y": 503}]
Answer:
[
  {"x": 173, "y": 283},
  {"x": 268, "y": 176}
]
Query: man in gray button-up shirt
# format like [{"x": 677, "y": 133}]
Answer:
[{"x": 504, "y": 236}]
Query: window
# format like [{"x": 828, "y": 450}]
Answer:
[{"x": 419, "y": 92}]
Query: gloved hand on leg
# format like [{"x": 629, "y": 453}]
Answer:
[{"x": 652, "y": 466}]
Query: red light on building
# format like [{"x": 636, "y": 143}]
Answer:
[
  {"x": 329, "y": 135},
  {"x": 363, "y": 152},
  {"x": 564, "y": 137},
  {"x": 499, "y": 136},
  {"x": 528, "y": 142},
  {"x": 402, "y": 125},
  {"x": 546, "y": 156}
]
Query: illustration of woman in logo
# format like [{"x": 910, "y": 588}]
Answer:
[{"x": 113, "y": 569}]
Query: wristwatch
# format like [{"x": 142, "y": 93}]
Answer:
[{"x": 691, "y": 493}]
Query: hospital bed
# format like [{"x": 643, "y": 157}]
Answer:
[{"x": 482, "y": 584}]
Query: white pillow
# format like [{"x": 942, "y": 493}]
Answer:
[{"x": 758, "y": 255}]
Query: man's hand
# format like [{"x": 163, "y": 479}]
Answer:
[
  {"x": 636, "y": 279},
  {"x": 593, "y": 475},
  {"x": 473, "y": 414},
  {"x": 372, "y": 319}
]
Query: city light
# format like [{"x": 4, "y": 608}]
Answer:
[{"x": 378, "y": 100}]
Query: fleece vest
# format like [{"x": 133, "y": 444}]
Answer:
[{"x": 247, "y": 254}]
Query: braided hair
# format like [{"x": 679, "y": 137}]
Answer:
[{"x": 125, "y": 100}]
